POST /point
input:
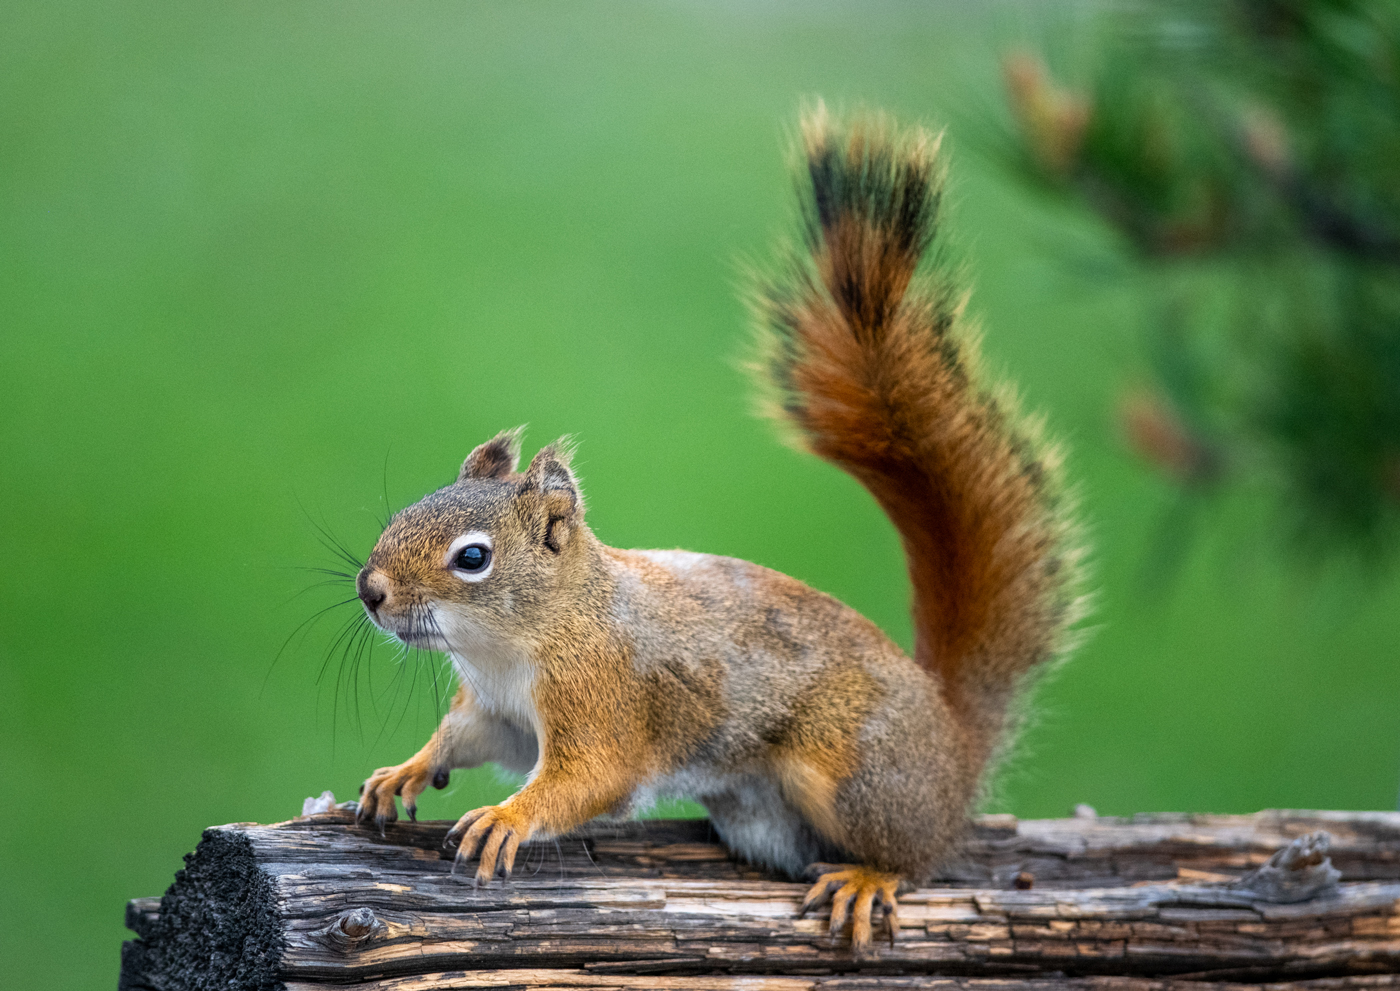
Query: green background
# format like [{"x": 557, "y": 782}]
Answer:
[{"x": 264, "y": 264}]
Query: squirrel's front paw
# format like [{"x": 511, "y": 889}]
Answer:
[
  {"x": 407, "y": 780},
  {"x": 498, "y": 830}
]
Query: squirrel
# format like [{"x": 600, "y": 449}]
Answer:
[{"x": 613, "y": 677}]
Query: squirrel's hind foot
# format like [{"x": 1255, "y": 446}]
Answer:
[{"x": 856, "y": 892}]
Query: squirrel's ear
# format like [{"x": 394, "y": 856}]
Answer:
[
  {"x": 560, "y": 498},
  {"x": 497, "y": 458}
]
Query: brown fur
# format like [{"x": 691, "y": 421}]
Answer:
[{"x": 614, "y": 677}]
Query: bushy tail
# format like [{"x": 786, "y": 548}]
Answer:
[{"x": 870, "y": 362}]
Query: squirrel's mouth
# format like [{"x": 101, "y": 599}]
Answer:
[
  {"x": 413, "y": 627},
  {"x": 420, "y": 639},
  {"x": 416, "y": 635}
]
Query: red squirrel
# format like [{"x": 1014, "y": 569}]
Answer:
[{"x": 612, "y": 677}]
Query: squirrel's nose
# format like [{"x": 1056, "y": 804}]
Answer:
[{"x": 370, "y": 585}]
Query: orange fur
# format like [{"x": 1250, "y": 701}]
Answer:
[{"x": 820, "y": 750}]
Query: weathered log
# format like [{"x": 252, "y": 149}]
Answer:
[
  {"x": 1120, "y": 903},
  {"x": 549, "y": 980}
]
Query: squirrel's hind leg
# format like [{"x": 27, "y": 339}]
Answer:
[{"x": 758, "y": 824}]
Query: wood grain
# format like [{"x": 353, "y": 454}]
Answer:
[{"x": 318, "y": 901}]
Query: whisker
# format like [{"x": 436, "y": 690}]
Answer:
[
  {"x": 354, "y": 651},
  {"x": 347, "y": 646},
  {"x": 338, "y": 582},
  {"x": 341, "y": 648},
  {"x": 330, "y": 542},
  {"x": 413, "y": 618},
  {"x": 364, "y": 657},
  {"x": 384, "y": 520},
  {"x": 438, "y": 709},
  {"x": 346, "y": 575},
  {"x": 305, "y": 625},
  {"x": 350, "y": 629},
  {"x": 589, "y": 854},
  {"x": 396, "y": 683},
  {"x": 365, "y": 650}
]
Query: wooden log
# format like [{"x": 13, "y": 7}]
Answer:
[
  {"x": 574, "y": 980},
  {"x": 319, "y": 900}
]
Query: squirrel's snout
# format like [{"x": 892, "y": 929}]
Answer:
[{"x": 372, "y": 588}]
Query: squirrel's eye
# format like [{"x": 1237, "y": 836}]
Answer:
[{"x": 473, "y": 557}]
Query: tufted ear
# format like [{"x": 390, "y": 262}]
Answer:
[
  {"x": 497, "y": 458},
  {"x": 560, "y": 498}
]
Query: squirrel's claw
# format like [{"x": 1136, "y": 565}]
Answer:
[
  {"x": 378, "y": 792},
  {"x": 498, "y": 831},
  {"x": 855, "y": 892},
  {"x": 818, "y": 894},
  {"x": 891, "y": 918},
  {"x": 454, "y": 835}
]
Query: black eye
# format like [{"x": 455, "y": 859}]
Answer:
[{"x": 473, "y": 557}]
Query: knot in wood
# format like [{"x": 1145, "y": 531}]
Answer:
[
  {"x": 351, "y": 929},
  {"x": 1295, "y": 873},
  {"x": 359, "y": 923}
]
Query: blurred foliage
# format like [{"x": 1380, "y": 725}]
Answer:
[{"x": 1248, "y": 153}]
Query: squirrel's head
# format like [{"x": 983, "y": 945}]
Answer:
[{"x": 483, "y": 559}]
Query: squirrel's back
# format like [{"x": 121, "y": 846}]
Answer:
[{"x": 784, "y": 687}]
